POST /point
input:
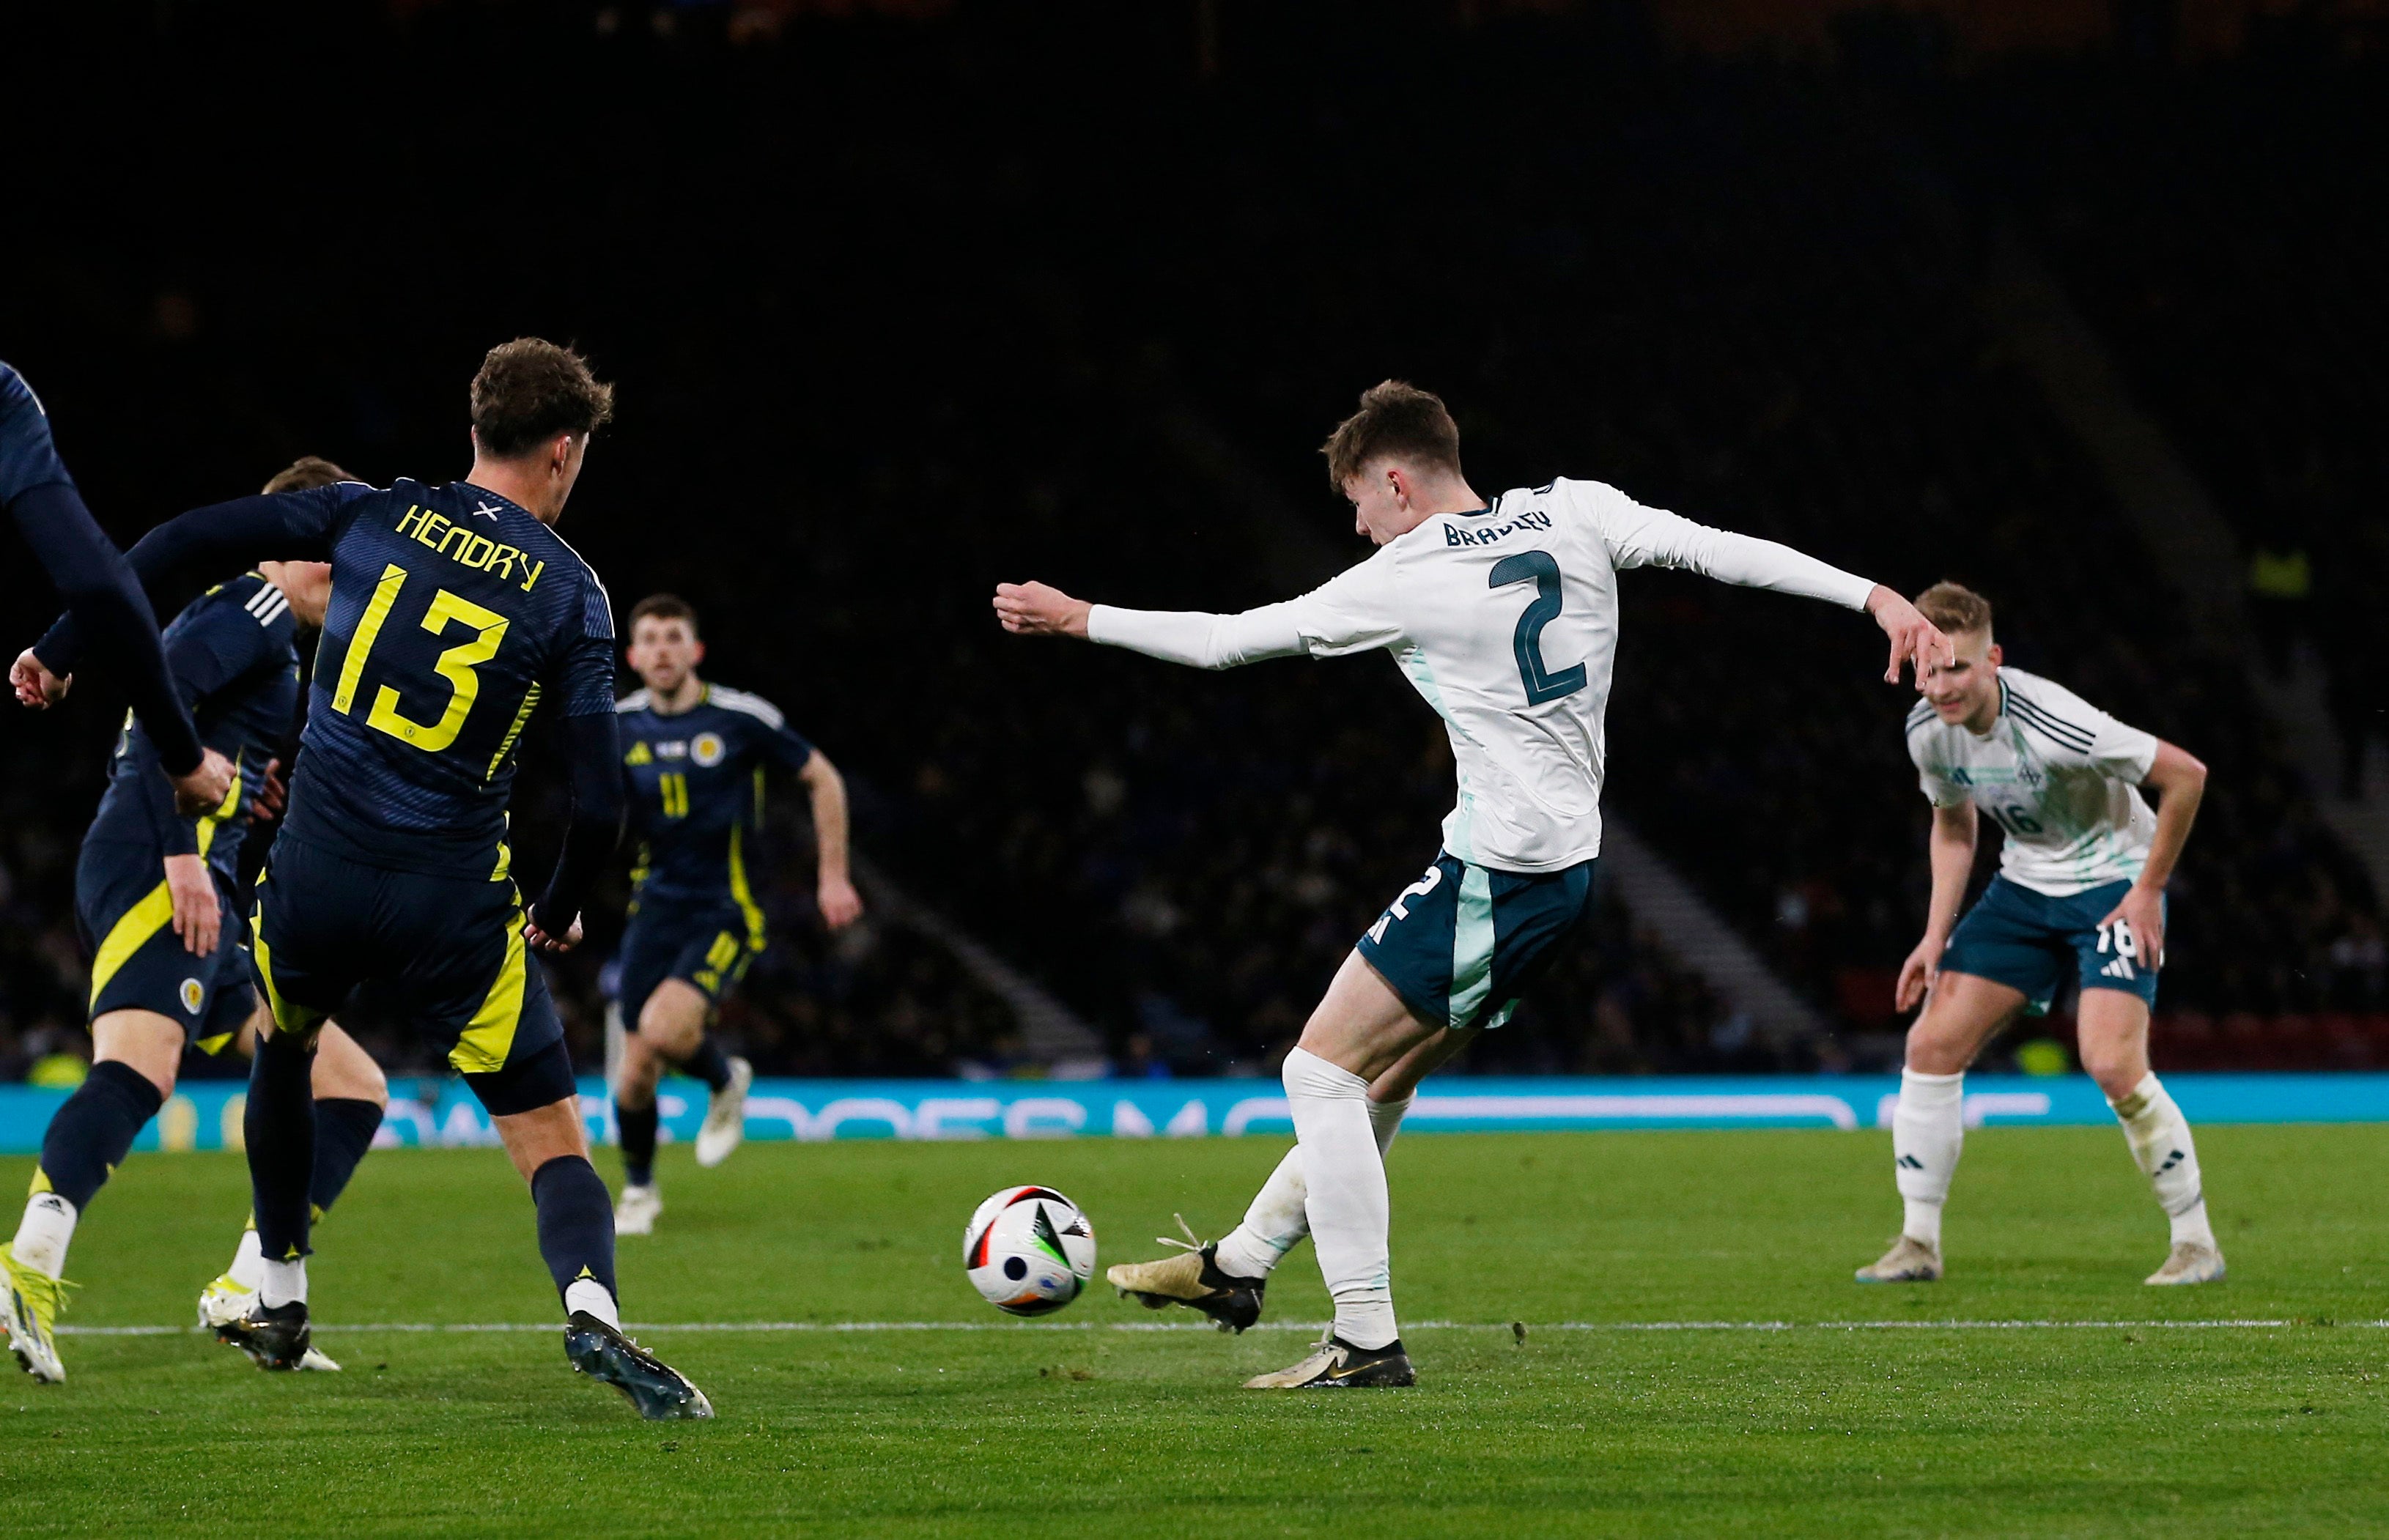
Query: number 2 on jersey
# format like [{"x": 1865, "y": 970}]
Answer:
[
  {"x": 455, "y": 665},
  {"x": 1542, "y": 684}
]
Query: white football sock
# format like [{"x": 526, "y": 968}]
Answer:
[
  {"x": 2168, "y": 1156},
  {"x": 1276, "y": 1220},
  {"x": 43, "y": 1234},
  {"x": 587, "y": 1293},
  {"x": 283, "y": 1282},
  {"x": 247, "y": 1267},
  {"x": 1928, "y": 1128},
  {"x": 1348, "y": 1209}
]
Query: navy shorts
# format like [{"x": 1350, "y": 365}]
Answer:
[
  {"x": 2029, "y": 941},
  {"x": 445, "y": 952},
  {"x": 138, "y": 963},
  {"x": 708, "y": 944},
  {"x": 1463, "y": 942}
]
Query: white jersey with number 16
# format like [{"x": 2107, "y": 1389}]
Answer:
[
  {"x": 1505, "y": 619},
  {"x": 2058, "y": 776}
]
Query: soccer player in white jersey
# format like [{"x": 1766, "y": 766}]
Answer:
[
  {"x": 1504, "y": 618},
  {"x": 2081, "y": 888}
]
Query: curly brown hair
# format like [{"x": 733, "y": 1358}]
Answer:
[{"x": 531, "y": 389}]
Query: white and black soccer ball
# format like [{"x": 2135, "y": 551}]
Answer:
[{"x": 1029, "y": 1250}]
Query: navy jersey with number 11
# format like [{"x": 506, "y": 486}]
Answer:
[
  {"x": 695, "y": 778},
  {"x": 454, "y": 615}
]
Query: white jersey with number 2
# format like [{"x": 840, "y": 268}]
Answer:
[
  {"x": 1505, "y": 620},
  {"x": 2058, "y": 776}
]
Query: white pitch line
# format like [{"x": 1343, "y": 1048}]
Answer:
[{"x": 456, "y": 1327}]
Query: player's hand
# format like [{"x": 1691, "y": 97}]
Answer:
[
  {"x": 2140, "y": 925},
  {"x": 1040, "y": 609},
  {"x": 273, "y": 794},
  {"x": 840, "y": 905},
  {"x": 204, "y": 790},
  {"x": 1916, "y": 975},
  {"x": 544, "y": 941},
  {"x": 35, "y": 685},
  {"x": 198, "y": 919},
  {"x": 1913, "y": 638}
]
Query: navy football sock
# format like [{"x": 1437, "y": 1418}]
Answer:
[
  {"x": 345, "y": 1127},
  {"x": 93, "y": 1130},
  {"x": 576, "y": 1222},
  {"x": 638, "y": 1133},
  {"x": 708, "y": 1063},
  {"x": 279, "y": 1124}
]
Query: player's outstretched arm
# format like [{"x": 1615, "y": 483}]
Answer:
[
  {"x": 1348, "y": 614},
  {"x": 2179, "y": 780},
  {"x": 1040, "y": 609},
  {"x": 1950, "y": 850}
]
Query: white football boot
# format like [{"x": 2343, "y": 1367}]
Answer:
[
  {"x": 1334, "y": 1364},
  {"x": 637, "y": 1210},
  {"x": 2190, "y": 1262},
  {"x": 1909, "y": 1261},
  {"x": 725, "y": 1116},
  {"x": 28, "y": 1308}
]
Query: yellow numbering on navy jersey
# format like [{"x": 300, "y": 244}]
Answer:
[
  {"x": 457, "y": 665},
  {"x": 674, "y": 786}
]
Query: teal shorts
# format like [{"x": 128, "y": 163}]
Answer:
[
  {"x": 2030, "y": 941},
  {"x": 1463, "y": 942}
]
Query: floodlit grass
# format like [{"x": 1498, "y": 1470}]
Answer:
[{"x": 1076, "y": 1428}]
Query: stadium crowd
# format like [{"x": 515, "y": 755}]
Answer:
[{"x": 965, "y": 344}]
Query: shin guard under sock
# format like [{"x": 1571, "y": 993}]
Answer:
[
  {"x": 637, "y": 1127},
  {"x": 345, "y": 1127},
  {"x": 279, "y": 1124},
  {"x": 576, "y": 1228},
  {"x": 93, "y": 1130}
]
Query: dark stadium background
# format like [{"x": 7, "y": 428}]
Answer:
[{"x": 903, "y": 298}]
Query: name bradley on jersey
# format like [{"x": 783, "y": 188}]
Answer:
[{"x": 1531, "y": 519}]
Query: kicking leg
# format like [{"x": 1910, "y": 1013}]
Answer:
[
  {"x": 1225, "y": 1281},
  {"x": 550, "y": 1149},
  {"x": 2114, "y": 1038},
  {"x": 1360, "y": 1030},
  {"x": 1928, "y": 1128},
  {"x": 135, "y": 1054}
]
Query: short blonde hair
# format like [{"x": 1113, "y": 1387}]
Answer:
[{"x": 1955, "y": 607}]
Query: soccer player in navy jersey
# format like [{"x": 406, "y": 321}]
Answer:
[
  {"x": 93, "y": 578},
  {"x": 157, "y": 898},
  {"x": 456, "y": 611},
  {"x": 694, "y": 758}
]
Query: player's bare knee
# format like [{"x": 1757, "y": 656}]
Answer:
[
  {"x": 143, "y": 1041},
  {"x": 537, "y": 1136}
]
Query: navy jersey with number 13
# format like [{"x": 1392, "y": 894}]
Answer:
[{"x": 454, "y": 614}]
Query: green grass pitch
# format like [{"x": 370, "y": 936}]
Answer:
[{"x": 1078, "y": 1428}]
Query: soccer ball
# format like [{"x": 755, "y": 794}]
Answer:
[{"x": 1029, "y": 1250}]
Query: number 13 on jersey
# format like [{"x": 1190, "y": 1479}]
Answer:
[{"x": 455, "y": 665}]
